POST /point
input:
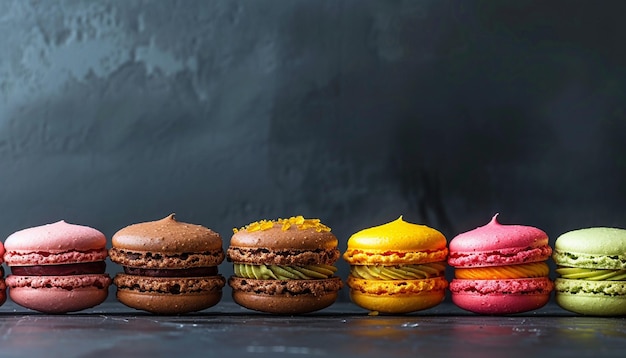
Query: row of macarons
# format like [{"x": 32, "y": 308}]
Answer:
[{"x": 287, "y": 266}]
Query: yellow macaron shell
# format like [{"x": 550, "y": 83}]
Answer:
[
  {"x": 397, "y": 242},
  {"x": 397, "y": 304},
  {"x": 397, "y": 296}
]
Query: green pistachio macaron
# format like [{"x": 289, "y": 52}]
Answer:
[{"x": 592, "y": 271}]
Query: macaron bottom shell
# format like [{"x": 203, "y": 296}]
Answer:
[
  {"x": 58, "y": 300},
  {"x": 506, "y": 296},
  {"x": 498, "y": 304},
  {"x": 397, "y": 303},
  {"x": 3, "y": 292},
  {"x": 592, "y": 305},
  {"x": 282, "y": 303},
  {"x": 285, "y": 296},
  {"x": 169, "y": 295},
  {"x": 397, "y": 296},
  {"x": 168, "y": 304},
  {"x": 593, "y": 298}
]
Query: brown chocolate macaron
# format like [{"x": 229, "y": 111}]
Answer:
[
  {"x": 284, "y": 266},
  {"x": 170, "y": 267}
]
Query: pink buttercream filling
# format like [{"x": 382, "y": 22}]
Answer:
[{"x": 29, "y": 258}]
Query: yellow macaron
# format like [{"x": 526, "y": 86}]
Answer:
[{"x": 397, "y": 267}]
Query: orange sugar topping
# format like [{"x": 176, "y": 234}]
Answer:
[{"x": 299, "y": 222}]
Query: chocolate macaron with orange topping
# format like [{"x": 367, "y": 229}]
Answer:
[
  {"x": 170, "y": 267},
  {"x": 284, "y": 266}
]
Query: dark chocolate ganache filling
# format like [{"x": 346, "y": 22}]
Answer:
[
  {"x": 85, "y": 268},
  {"x": 188, "y": 272}
]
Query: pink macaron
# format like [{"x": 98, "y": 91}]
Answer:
[
  {"x": 57, "y": 268},
  {"x": 500, "y": 269},
  {"x": 3, "y": 287}
]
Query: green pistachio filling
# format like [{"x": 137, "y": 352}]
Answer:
[
  {"x": 399, "y": 272},
  {"x": 573, "y": 273},
  {"x": 275, "y": 272}
]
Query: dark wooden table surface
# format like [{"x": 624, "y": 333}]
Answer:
[{"x": 343, "y": 329}]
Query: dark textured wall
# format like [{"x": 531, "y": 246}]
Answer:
[{"x": 226, "y": 112}]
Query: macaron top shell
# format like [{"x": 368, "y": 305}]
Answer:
[
  {"x": 495, "y": 236},
  {"x": 598, "y": 247},
  {"x": 496, "y": 244},
  {"x": 596, "y": 240},
  {"x": 56, "y": 237},
  {"x": 396, "y": 243},
  {"x": 292, "y": 233},
  {"x": 398, "y": 235},
  {"x": 167, "y": 236}
]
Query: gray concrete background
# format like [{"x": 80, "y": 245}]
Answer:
[{"x": 226, "y": 112}]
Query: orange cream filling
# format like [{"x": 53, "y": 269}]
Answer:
[{"x": 535, "y": 269}]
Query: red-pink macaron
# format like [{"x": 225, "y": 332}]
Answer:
[
  {"x": 3, "y": 287},
  {"x": 57, "y": 268},
  {"x": 500, "y": 269}
]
